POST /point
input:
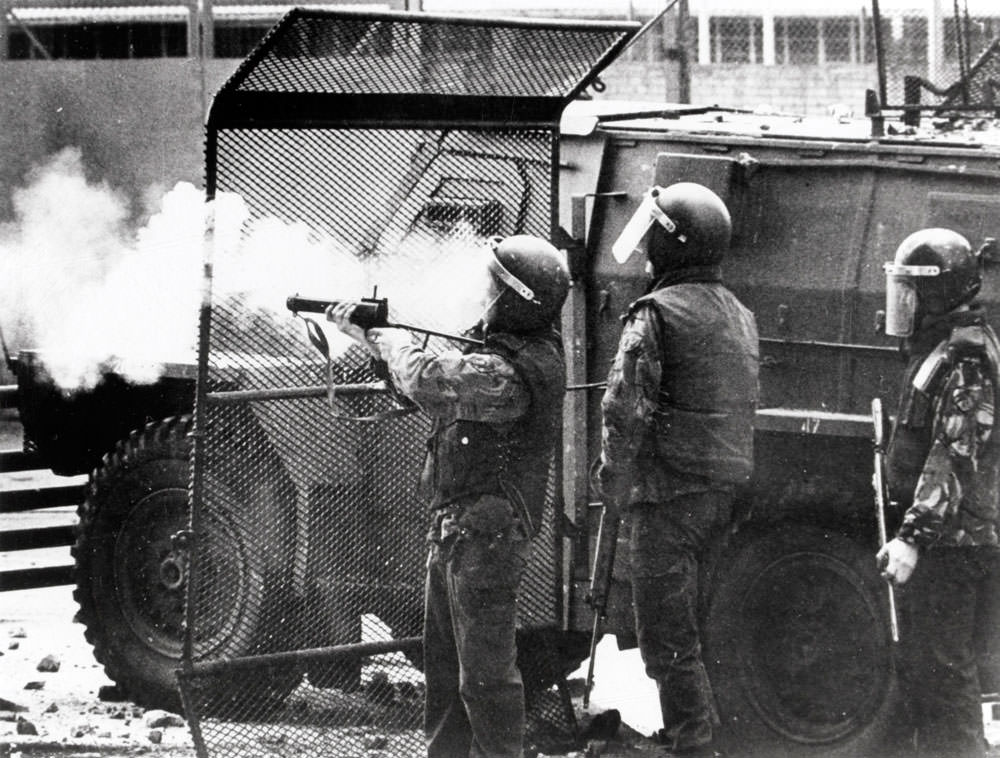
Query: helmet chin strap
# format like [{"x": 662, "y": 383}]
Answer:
[
  {"x": 504, "y": 275},
  {"x": 484, "y": 316},
  {"x": 664, "y": 220}
]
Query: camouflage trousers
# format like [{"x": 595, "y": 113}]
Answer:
[
  {"x": 475, "y": 696},
  {"x": 949, "y": 616},
  {"x": 668, "y": 542}
]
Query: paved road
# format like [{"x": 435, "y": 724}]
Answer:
[{"x": 37, "y": 623}]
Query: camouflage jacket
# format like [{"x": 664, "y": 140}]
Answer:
[
  {"x": 455, "y": 385},
  {"x": 495, "y": 411},
  {"x": 954, "y": 502}
]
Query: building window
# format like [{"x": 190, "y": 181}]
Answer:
[
  {"x": 237, "y": 40},
  {"x": 797, "y": 40},
  {"x": 737, "y": 39},
  {"x": 98, "y": 40},
  {"x": 840, "y": 39},
  {"x": 910, "y": 49}
]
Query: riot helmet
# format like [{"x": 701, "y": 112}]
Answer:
[
  {"x": 683, "y": 225},
  {"x": 532, "y": 281},
  {"x": 933, "y": 272}
]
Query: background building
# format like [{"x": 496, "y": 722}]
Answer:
[{"x": 128, "y": 81}]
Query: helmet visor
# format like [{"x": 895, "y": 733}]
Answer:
[
  {"x": 901, "y": 297},
  {"x": 635, "y": 230}
]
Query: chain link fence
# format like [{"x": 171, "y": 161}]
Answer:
[{"x": 807, "y": 61}]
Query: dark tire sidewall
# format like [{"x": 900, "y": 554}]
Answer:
[
  {"x": 789, "y": 605},
  {"x": 152, "y": 467}
]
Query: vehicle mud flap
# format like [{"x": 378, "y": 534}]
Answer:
[{"x": 797, "y": 645}]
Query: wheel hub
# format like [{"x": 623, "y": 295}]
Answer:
[
  {"x": 152, "y": 569},
  {"x": 172, "y": 573}
]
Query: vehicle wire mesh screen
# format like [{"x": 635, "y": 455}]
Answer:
[
  {"x": 308, "y": 538},
  {"x": 392, "y": 54}
]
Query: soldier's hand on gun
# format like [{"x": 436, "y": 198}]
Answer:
[
  {"x": 340, "y": 315},
  {"x": 373, "y": 340},
  {"x": 896, "y": 560}
]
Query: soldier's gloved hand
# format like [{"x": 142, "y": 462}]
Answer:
[
  {"x": 340, "y": 314},
  {"x": 897, "y": 559},
  {"x": 376, "y": 341}
]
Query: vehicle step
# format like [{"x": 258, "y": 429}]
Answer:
[
  {"x": 19, "y": 460},
  {"x": 34, "y": 539},
  {"x": 34, "y": 578},
  {"x": 16, "y": 501}
]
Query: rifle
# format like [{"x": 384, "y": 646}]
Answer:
[
  {"x": 370, "y": 313},
  {"x": 879, "y": 421},
  {"x": 600, "y": 582}
]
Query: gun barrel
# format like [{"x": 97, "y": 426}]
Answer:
[
  {"x": 368, "y": 314},
  {"x": 600, "y": 584},
  {"x": 298, "y": 304}
]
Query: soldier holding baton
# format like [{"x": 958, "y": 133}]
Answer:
[{"x": 943, "y": 466}]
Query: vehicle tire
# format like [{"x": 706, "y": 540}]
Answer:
[
  {"x": 798, "y": 647},
  {"x": 131, "y": 575}
]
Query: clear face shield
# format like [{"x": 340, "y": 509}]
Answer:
[
  {"x": 499, "y": 279},
  {"x": 901, "y": 296},
  {"x": 635, "y": 231}
]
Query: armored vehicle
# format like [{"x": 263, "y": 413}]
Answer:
[
  {"x": 249, "y": 529},
  {"x": 796, "y": 629}
]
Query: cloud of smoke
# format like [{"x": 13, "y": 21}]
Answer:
[{"x": 95, "y": 294}]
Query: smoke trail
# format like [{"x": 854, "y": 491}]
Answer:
[{"x": 95, "y": 294}]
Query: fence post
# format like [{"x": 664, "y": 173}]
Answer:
[
  {"x": 935, "y": 40},
  {"x": 683, "y": 63},
  {"x": 767, "y": 38},
  {"x": 879, "y": 51},
  {"x": 704, "y": 37}
]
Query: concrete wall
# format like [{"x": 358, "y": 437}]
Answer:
[
  {"x": 138, "y": 123},
  {"x": 809, "y": 90}
]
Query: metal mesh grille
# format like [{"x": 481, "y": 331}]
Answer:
[
  {"x": 398, "y": 54},
  {"x": 310, "y": 534},
  {"x": 983, "y": 81},
  {"x": 338, "y": 162}
]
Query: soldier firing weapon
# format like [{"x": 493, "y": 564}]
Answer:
[
  {"x": 879, "y": 422},
  {"x": 370, "y": 313}
]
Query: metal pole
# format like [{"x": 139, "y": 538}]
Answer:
[
  {"x": 35, "y": 43},
  {"x": 963, "y": 67},
  {"x": 647, "y": 26},
  {"x": 935, "y": 40},
  {"x": 683, "y": 63},
  {"x": 879, "y": 52}
]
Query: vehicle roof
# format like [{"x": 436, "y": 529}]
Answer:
[{"x": 971, "y": 131}]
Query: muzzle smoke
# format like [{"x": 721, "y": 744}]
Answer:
[{"x": 95, "y": 294}]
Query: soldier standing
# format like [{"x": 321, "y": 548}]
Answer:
[
  {"x": 496, "y": 411},
  {"x": 678, "y": 437},
  {"x": 944, "y": 468}
]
